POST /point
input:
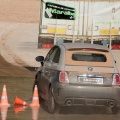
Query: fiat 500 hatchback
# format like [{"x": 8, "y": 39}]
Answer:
[{"x": 78, "y": 74}]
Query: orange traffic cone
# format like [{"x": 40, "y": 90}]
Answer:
[
  {"x": 35, "y": 110},
  {"x": 4, "y": 110},
  {"x": 35, "y": 100},
  {"x": 18, "y": 101},
  {"x": 19, "y": 108},
  {"x": 4, "y": 99}
]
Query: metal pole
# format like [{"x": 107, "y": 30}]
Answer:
[
  {"x": 112, "y": 17},
  {"x": 78, "y": 21},
  {"x": 110, "y": 34},
  {"x": 92, "y": 25},
  {"x": 73, "y": 40},
  {"x": 87, "y": 21},
  {"x": 83, "y": 19}
]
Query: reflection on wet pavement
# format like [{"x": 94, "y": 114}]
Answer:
[
  {"x": 35, "y": 111},
  {"x": 19, "y": 108},
  {"x": 17, "y": 111},
  {"x": 38, "y": 113},
  {"x": 4, "y": 110}
]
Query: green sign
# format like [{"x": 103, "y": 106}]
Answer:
[{"x": 57, "y": 11}]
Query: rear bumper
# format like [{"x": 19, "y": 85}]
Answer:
[
  {"x": 67, "y": 95},
  {"x": 89, "y": 102}
]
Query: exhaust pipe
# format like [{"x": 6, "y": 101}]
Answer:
[
  {"x": 111, "y": 104},
  {"x": 68, "y": 102}
]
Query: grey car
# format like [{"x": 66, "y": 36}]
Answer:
[{"x": 78, "y": 74}]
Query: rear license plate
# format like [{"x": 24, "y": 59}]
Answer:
[{"x": 90, "y": 80}]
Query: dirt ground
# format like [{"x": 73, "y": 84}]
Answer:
[
  {"x": 20, "y": 11},
  {"x": 17, "y": 11}
]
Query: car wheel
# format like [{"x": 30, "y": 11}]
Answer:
[{"x": 53, "y": 107}]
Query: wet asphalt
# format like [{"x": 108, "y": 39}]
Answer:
[{"x": 21, "y": 87}]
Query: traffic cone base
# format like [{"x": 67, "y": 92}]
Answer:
[
  {"x": 18, "y": 101},
  {"x": 4, "y": 99},
  {"x": 35, "y": 100}
]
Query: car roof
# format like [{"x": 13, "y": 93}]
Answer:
[{"x": 83, "y": 45}]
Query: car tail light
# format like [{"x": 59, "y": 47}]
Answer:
[
  {"x": 63, "y": 77},
  {"x": 116, "y": 79}
]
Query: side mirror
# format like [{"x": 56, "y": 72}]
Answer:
[{"x": 39, "y": 58}]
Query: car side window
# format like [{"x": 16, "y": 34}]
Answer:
[
  {"x": 56, "y": 55},
  {"x": 53, "y": 55},
  {"x": 48, "y": 55}
]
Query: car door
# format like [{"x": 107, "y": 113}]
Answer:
[{"x": 49, "y": 68}]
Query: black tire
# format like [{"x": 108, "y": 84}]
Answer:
[{"x": 53, "y": 107}]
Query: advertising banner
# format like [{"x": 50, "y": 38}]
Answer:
[{"x": 57, "y": 11}]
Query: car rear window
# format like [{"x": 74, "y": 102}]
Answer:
[
  {"x": 88, "y": 58},
  {"x": 91, "y": 57}
]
